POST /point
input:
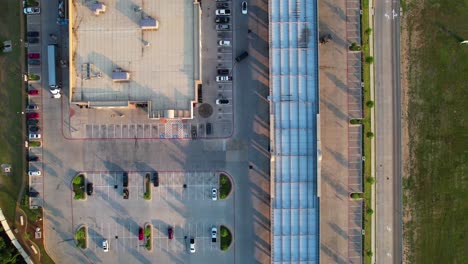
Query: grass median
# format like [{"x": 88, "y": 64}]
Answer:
[
  {"x": 225, "y": 186},
  {"x": 80, "y": 237},
  {"x": 79, "y": 187},
  {"x": 226, "y": 238}
]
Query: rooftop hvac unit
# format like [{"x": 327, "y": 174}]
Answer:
[
  {"x": 120, "y": 76},
  {"x": 98, "y": 8},
  {"x": 149, "y": 23}
]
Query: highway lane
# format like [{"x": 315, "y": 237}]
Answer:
[{"x": 388, "y": 131}]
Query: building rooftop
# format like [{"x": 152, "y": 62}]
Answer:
[{"x": 159, "y": 63}]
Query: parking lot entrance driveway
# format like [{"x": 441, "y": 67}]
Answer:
[{"x": 188, "y": 210}]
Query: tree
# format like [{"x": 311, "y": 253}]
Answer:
[
  {"x": 370, "y": 59},
  {"x": 368, "y": 31},
  {"x": 369, "y": 211},
  {"x": 370, "y": 180},
  {"x": 78, "y": 180},
  {"x": 370, "y": 104},
  {"x": 370, "y": 134},
  {"x": 224, "y": 232}
]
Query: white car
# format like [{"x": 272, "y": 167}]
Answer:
[
  {"x": 34, "y": 173},
  {"x": 31, "y": 10},
  {"x": 223, "y": 78},
  {"x": 223, "y": 12},
  {"x": 105, "y": 245},
  {"x": 214, "y": 234},
  {"x": 34, "y": 136},
  {"x": 192, "y": 245},
  {"x": 223, "y": 42},
  {"x": 214, "y": 194},
  {"x": 244, "y": 7}
]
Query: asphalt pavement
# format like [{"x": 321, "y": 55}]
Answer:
[{"x": 388, "y": 132}]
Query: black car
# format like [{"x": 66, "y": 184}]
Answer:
[
  {"x": 223, "y": 71},
  {"x": 32, "y": 34},
  {"x": 208, "y": 129},
  {"x": 33, "y": 129},
  {"x": 155, "y": 179},
  {"x": 33, "y": 40},
  {"x": 33, "y": 194},
  {"x": 33, "y": 158},
  {"x": 222, "y": 5},
  {"x": 32, "y": 121},
  {"x": 31, "y": 107},
  {"x": 242, "y": 56},
  {"x": 222, "y": 19},
  {"x": 89, "y": 188}
]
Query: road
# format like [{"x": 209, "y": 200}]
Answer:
[{"x": 388, "y": 131}]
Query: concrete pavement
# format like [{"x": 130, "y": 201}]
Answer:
[{"x": 388, "y": 132}]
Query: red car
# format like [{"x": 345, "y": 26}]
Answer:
[
  {"x": 32, "y": 115},
  {"x": 170, "y": 232},
  {"x": 140, "y": 234},
  {"x": 33, "y": 92},
  {"x": 34, "y": 55}
]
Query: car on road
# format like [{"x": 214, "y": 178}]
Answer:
[
  {"x": 33, "y": 92},
  {"x": 242, "y": 56},
  {"x": 34, "y": 173},
  {"x": 89, "y": 188},
  {"x": 170, "y": 232},
  {"x": 105, "y": 245},
  {"x": 214, "y": 194},
  {"x": 223, "y": 42},
  {"x": 244, "y": 7},
  {"x": 222, "y": 27},
  {"x": 31, "y": 10},
  {"x": 192, "y": 245},
  {"x": 222, "y": 101},
  {"x": 155, "y": 179},
  {"x": 223, "y": 12},
  {"x": 34, "y": 136},
  {"x": 34, "y": 129},
  {"x": 32, "y": 122},
  {"x": 140, "y": 233},
  {"x": 32, "y": 107},
  {"x": 214, "y": 234},
  {"x": 32, "y": 116},
  {"x": 32, "y": 34},
  {"x": 33, "y": 158},
  {"x": 33, "y": 40},
  {"x": 34, "y": 56},
  {"x": 34, "y": 62},
  {"x": 223, "y": 78},
  {"x": 223, "y": 71},
  {"x": 222, "y": 19}
]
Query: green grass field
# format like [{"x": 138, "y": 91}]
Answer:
[
  {"x": 436, "y": 189},
  {"x": 10, "y": 121}
]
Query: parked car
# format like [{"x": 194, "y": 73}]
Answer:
[
  {"x": 170, "y": 232},
  {"x": 155, "y": 179},
  {"x": 214, "y": 234},
  {"x": 33, "y": 158},
  {"x": 34, "y": 55},
  {"x": 222, "y": 19},
  {"x": 242, "y": 56},
  {"x": 223, "y": 42},
  {"x": 223, "y": 12},
  {"x": 34, "y": 173},
  {"x": 244, "y": 7},
  {"x": 223, "y": 71},
  {"x": 105, "y": 245},
  {"x": 214, "y": 194},
  {"x": 32, "y": 34},
  {"x": 89, "y": 188},
  {"x": 140, "y": 233},
  {"x": 33, "y": 92},
  {"x": 223, "y": 78},
  {"x": 32, "y": 115},
  {"x": 34, "y": 129},
  {"x": 33, "y": 194},
  {"x": 34, "y": 62},
  {"x": 32, "y": 122},
  {"x": 222, "y": 27},
  {"x": 34, "y": 136},
  {"x": 209, "y": 129},
  {"x": 222, "y": 5},
  {"x": 33, "y": 40},
  {"x": 192, "y": 245},
  {"x": 222, "y": 101},
  {"x": 32, "y": 107},
  {"x": 31, "y": 10}
]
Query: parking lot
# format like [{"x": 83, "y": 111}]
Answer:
[{"x": 189, "y": 210}]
